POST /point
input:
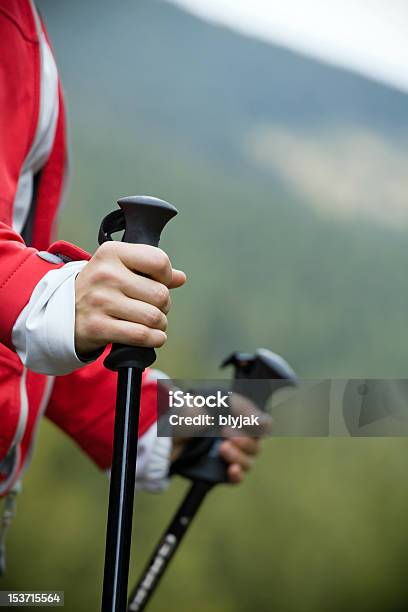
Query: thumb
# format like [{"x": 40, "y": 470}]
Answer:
[{"x": 178, "y": 279}]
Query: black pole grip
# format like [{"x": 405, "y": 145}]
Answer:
[
  {"x": 142, "y": 219},
  {"x": 200, "y": 461},
  {"x": 270, "y": 371}
]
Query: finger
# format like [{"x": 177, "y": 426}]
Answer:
[
  {"x": 231, "y": 454},
  {"x": 135, "y": 311},
  {"x": 235, "y": 474},
  {"x": 145, "y": 259},
  {"x": 134, "y": 334},
  {"x": 146, "y": 290},
  {"x": 178, "y": 279},
  {"x": 247, "y": 444}
]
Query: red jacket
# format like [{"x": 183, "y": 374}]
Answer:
[{"x": 81, "y": 403}]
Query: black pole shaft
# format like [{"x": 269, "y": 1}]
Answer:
[
  {"x": 167, "y": 546},
  {"x": 121, "y": 494}
]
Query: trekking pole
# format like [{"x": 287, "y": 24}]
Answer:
[
  {"x": 201, "y": 463},
  {"x": 142, "y": 218}
]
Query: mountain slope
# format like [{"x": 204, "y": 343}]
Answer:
[{"x": 191, "y": 78}]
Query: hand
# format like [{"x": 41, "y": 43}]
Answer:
[
  {"x": 239, "y": 454},
  {"x": 115, "y": 303}
]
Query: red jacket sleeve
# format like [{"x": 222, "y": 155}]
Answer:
[
  {"x": 82, "y": 404},
  {"x": 20, "y": 270},
  {"x": 20, "y": 267}
]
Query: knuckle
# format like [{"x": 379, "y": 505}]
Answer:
[
  {"x": 106, "y": 249},
  {"x": 161, "y": 296},
  {"x": 97, "y": 298},
  {"x": 103, "y": 274},
  {"x": 167, "y": 306},
  {"x": 161, "y": 261},
  {"x": 154, "y": 317}
]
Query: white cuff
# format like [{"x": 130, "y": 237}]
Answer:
[
  {"x": 153, "y": 461},
  {"x": 44, "y": 333}
]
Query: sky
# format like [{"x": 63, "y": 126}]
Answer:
[{"x": 368, "y": 36}]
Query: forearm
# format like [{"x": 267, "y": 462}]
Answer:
[{"x": 37, "y": 291}]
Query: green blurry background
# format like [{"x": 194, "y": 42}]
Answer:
[{"x": 290, "y": 177}]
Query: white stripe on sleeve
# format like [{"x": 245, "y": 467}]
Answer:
[
  {"x": 153, "y": 461},
  {"x": 44, "y": 332}
]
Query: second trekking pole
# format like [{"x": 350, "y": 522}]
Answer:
[
  {"x": 142, "y": 219},
  {"x": 257, "y": 377}
]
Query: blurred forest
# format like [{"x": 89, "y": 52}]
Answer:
[{"x": 239, "y": 134}]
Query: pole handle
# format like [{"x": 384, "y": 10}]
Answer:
[
  {"x": 200, "y": 461},
  {"x": 142, "y": 219}
]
